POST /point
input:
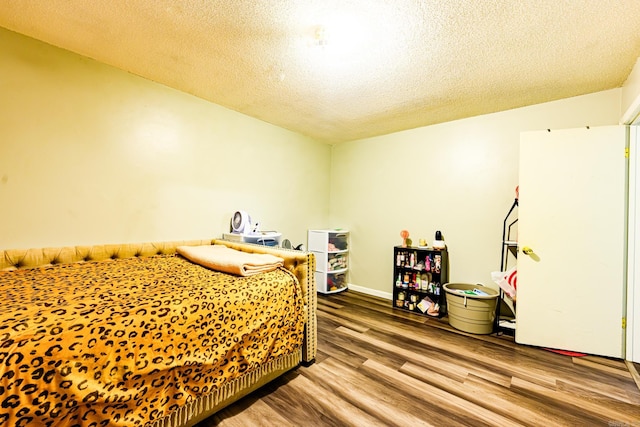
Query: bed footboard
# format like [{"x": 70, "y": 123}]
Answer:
[{"x": 302, "y": 265}]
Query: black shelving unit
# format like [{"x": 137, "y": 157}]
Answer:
[
  {"x": 419, "y": 274},
  {"x": 505, "y": 322}
]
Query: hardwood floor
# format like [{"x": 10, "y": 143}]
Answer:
[{"x": 377, "y": 366}]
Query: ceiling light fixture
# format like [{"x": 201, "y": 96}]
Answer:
[{"x": 320, "y": 36}]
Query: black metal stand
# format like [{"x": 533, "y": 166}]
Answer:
[{"x": 508, "y": 246}]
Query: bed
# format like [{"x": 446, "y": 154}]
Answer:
[{"x": 137, "y": 334}]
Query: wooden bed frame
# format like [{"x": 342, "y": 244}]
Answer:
[{"x": 301, "y": 264}]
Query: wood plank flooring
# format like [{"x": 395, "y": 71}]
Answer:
[{"x": 377, "y": 366}]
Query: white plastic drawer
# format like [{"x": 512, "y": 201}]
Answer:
[
  {"x": 338, "y": 242},
  {"x": 338, "y": 261}
]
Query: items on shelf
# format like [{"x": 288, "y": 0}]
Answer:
[
  {"x": 336, "y": 282},
  {"x": 337, "y": 261},
  {"x": 438, "y": 243},
  {"x": 405, "y": 238},
  {"x": 331, "y": 249},
  {"x": 429, "y": 307},
  {"x": 419, "y": 275},
  {"x": 507, "y": 280}
]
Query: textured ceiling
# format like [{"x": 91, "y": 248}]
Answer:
[{"x": 338, "y": 70}]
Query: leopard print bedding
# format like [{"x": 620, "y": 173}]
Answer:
[{"x": 126, "y": 342}]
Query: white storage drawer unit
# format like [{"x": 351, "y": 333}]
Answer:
[{"x": 331, "y": 248}]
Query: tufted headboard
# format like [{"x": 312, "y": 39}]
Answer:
[
  {"x": 301, "y": 264},
  {"x": 13, "y": 259}
]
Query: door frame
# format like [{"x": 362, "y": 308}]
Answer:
[
  {"x": 631, "y": 117},
  {"x": 633, "y": 248}
]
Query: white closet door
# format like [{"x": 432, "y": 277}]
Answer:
[{"x": 571, "y": 214}]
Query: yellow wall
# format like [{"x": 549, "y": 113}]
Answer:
[
  {"x": 457, "y": 177},
  {"x": 91, "y": 154}
]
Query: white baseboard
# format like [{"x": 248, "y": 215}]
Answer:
[{"x": 369, "y": 291}]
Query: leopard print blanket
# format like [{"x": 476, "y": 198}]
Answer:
[{"x": 126, "y": 342}]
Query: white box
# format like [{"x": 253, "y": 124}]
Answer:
[{"x": 265, "y": 238}]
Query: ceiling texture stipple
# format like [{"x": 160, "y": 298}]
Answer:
[{"x": 339, "y": 70}]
